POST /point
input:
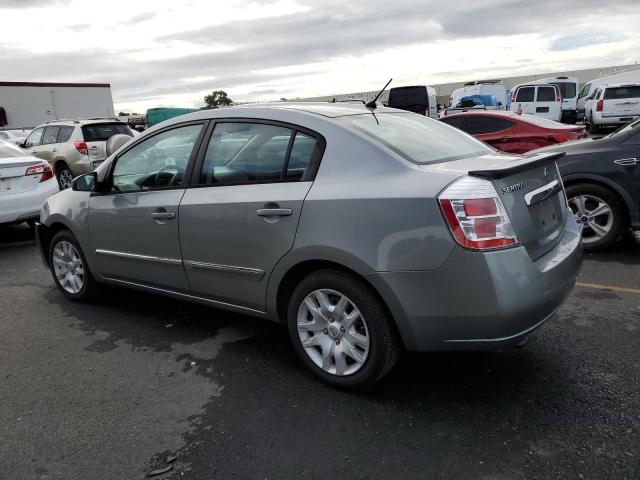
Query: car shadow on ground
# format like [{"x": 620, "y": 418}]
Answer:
[{"x": 16, "y": 234}]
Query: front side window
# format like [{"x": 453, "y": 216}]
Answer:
[
  {"x": 245, "y": 152},
  {"x": 34, "y": 138},
  {"x": 417, "y": 138},
  {"x": 157, "y": 162},
  {"x": 546, "y": 94},
  {"x": 50, "y": 135},
  {"x": 525, "y": 94}
]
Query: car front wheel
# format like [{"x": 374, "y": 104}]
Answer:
[
  {"x": 341, "y": 330},
  {"x": 69, "y": 267},
  {"x": 599, "y": 213}
]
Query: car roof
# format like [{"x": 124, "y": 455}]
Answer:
[
  {"x": 494, "y": 113},
  {"x": 620, "y": 85},
  {"x": 325, "y": 109},
  {"x": 82, "y": 121}
]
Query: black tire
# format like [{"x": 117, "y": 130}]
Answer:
[
  {"x": 616, "y": 205},
  {"x": 63, "y": 174},
  {"x": 593, "y": 128},
  {"x": 384, "y": 344},
  {"x": 89, "y": 288}
]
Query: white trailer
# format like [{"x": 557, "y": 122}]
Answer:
[{"x": 28, "y": 104}]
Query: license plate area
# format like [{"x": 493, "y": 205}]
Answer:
[
  {"x": 542, "y": 109},
  {"x": 548, "y": 214}
]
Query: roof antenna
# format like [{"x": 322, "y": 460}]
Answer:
[{"x": 372, "y": 103}]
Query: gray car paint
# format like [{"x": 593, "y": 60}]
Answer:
[{"x": 368, "y": 210}]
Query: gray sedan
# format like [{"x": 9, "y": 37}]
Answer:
[{"x": 366, "y": 230}]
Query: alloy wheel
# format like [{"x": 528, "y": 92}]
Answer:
[
  {"x": 68, "y": 267},
  {"x": 333, "y": 332},
  {"x": 65, "y": 178},
  {"x": 594, "y": 217}
]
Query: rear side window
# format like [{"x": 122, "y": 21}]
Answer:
[
  {"x": 416, "y": 138},
  {"x": 65, "y": 134},
  {"x": 546, "y": 94},
  {"x": 482, "y": 124},
  {"x": 622, "y": 92},
  {"x": 240, "y": 153},
  {"x": 302, "y": 151},
  {"x": 50, "y": 135},
  {"x": 525, "y": 94},
  {"x": 101, "y": 132}
]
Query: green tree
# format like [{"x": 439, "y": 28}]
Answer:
[{"x": 218, "y": 98}]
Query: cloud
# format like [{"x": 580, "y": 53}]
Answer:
[
  {"x": 143, "y": 17},
  {"x": 571, "y": 42},
  {"x": 15, "y": 4}
]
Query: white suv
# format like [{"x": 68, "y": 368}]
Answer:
[
  {"x": 73, "y": 147},
  {"x": 612, "y": 105}
]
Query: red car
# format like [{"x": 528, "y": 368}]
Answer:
[{"x": 514, "y": 133}]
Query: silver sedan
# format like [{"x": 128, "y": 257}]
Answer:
[{"x": 366, "y": 230}]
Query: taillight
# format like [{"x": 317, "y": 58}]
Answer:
[
  {"x": 558, "y": 95},
  {"x": 475, "y": 215},
  {"x": 445, "y": 113},
  {"x": 82, "y": 148},
  {"x": 43, "y": 169},
  {"x": 599, "y": 106},
  {"x": 513, "y": 97}
]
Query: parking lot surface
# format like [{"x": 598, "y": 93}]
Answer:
[{"x": 110, "y": 390}]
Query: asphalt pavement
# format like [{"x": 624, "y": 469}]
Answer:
[{"x": 135, "y": 383}]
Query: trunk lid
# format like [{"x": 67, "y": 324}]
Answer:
[
  {"x": 531, "y": 190},
  {"x": 12, "y": 175}
]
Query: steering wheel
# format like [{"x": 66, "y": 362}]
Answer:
[{"x": 169, "y": 176}]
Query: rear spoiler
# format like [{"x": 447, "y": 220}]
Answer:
[{"x": 511, "y": 167}]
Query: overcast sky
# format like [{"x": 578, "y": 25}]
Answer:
[{"x": 171, "y": 53}]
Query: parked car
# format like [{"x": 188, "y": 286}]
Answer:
[
  {"x": 473, "y": 102},
  {"x": 417, "y": 99},
  {"x": 602, "y": 180},
  {"x": 628, "y": 77},
  {"x": 73, "y": 147},
  {"x": 513, "y": 133},
  {"x": 366, "y": 234},
  {"x": 495, "y": 88},
  {"x": 25, "y": 183},
  {"x": 14, "y": 136},
  {"x": 612, "y": 105},
  {"x": 541, "y": 100},
  {"x": 569, "y": 92}
]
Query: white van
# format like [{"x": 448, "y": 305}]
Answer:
[
  {"x": 629, "y": 77},
  {"x": 569, "y": 92},
  {"x": 481, "y": 87},
  {"x": 542, "y": 100},
  {"x": 612, "y": 105},
  {"x": 415, "y": 98}
]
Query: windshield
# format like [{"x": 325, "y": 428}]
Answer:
[
  {"x": 9, "y": 151},
  {"x": 417, "y": 138},
  {"x": 630, "y": 128}
]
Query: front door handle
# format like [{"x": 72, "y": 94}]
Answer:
[
  {"x": 274, "y": 212},
  {"x": 163, "y": 215}
]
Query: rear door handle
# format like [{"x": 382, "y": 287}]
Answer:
[
  {"x": 163, "y": 215},
  {"x": 274, "y": 212}
]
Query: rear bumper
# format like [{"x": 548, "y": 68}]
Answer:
[
  {"x": 481, "y": 300},
  {"x": 600, "y": 119},
  {"x": 24, "y": 206}
]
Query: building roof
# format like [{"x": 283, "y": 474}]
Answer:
[{"x": 54, "y": 84}]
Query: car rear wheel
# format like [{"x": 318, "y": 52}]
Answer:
[
  {"x": 599, "y": 213},
  {"x": 65, "y": 177},
  {"x": 341, "y": 330},
  {"x": 69, "y": 267}
]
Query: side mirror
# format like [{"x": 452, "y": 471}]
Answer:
[{"x": 85, "y": 183}]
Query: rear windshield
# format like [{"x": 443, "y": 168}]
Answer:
[
  {"x": 417, "y": 138},
  {"x": 622, "y": 92},
  {"x": 540, "y": 121},
  {"x": 9, "y": 151},
  {"x": 546, "y": 94},
  {"x": 101, "y": 132},
  {"x": 567, "y": 90}
]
